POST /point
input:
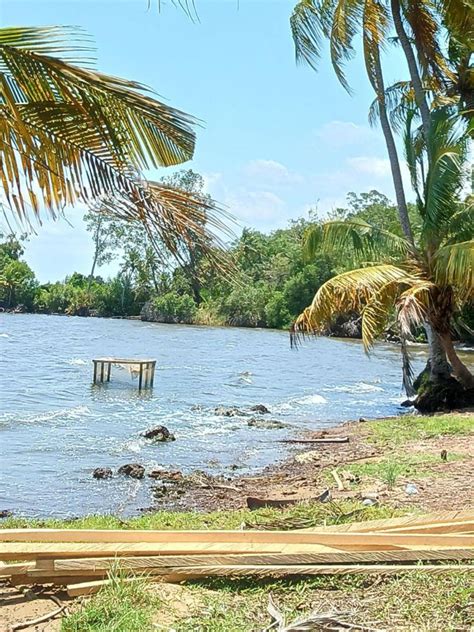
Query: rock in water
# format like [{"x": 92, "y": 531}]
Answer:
[
  {"x": 260, "y": 408},
  {"x": 268, "y": 424},
  {"x": 222, "y": 411},
  {"x": 102, "y": 472},
  {"x": 134, "y": 470},
  {"x": 159, "y": 433},
  {"x": 5, "y": 513}
]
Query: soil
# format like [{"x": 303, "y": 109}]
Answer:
[
  {"x": 20, "y": 605},
  {"x": 307, "y": 474}
]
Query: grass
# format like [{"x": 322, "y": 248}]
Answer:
[
  {"x": 411, "y": 602},
  {"x": 119, "y": 607},
  {"x": 312, "y": 513},
  {"x": 389, "y": 470},
  {"x": 398, "y": 430}
]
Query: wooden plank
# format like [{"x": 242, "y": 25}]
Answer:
[
  {"x": 142, "y": 538},
  {"x": 91, "y": 587},
  {"x": 57, "y": 580},
  {"x": 387, "y": 524},
  {"x": 343, "y": 569},
  {"x": 50, "y": 550},
  {"x": 15, "y": 569},
  {"x": 148, "y": 563}
]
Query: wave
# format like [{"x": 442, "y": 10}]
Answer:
[
  {"x": 360, "y": 387},
  {"x": 4, "y": 336},
  {"x": 76, "y": 361},
  {"x": 307, "y": 400}
]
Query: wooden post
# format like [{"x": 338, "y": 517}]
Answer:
[
  {"x": 95, "y": 371},
  {"x": 152, "y": 374},
  {"x": 140, "y": 379},
  {"x": 109, "y": 367},
  {"x": 102, "y": 372}
]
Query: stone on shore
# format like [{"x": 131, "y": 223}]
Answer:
[
  {"x": 159, "y": 433},
  {"x": 134, "y": 470},
  {"x": 102, "y": 472}
]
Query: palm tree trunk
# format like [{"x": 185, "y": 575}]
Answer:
[
  {"x": 392, "y": 153},
  {"x": 460, "y": 370},
  {"x": 439, "y": 367},
  {"x": 420, "y": 96}
]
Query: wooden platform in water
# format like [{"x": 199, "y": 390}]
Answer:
[{"x": 145, "y": 369}]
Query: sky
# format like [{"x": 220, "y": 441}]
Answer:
[{"x": 276, "y": 139}]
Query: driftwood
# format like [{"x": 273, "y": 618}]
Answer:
[
  {"x": 257, "y": 503},
  {"x": 311, "y": 441}
]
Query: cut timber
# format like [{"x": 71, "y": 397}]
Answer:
[
  {"x": 393, "y": 524},
  {"x": 91, "y": 587},
  {"x": 232, "y": 542},
  {"x": 343, "y": 569},
  {"x": 15, "y": 569},
  {"x": 149, "y": 563}
]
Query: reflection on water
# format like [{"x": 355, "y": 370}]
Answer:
[{"x": 55, "y": 427}]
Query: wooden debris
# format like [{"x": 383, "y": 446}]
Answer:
[
  {"x": 82, "y": 559},
  {"x": 323, "y": 440}
]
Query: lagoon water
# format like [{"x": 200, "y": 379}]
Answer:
[{"x": 55, "y": 427}]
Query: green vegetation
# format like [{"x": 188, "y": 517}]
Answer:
[
  {"x": 272, "y": 282},
  {"x": 120, "y": 607},
  {"x": 399, "y": 430}
]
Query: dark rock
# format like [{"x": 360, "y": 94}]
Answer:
[
  {"x": 260, "y": 408},
  {"x": 5, "y": 513},
  {"x": 222, "y": 411},
  {"x": 159, "y": 433},
  {"x": 407, "y": 403},
  {"x": 166, "y": 475},
  {"x": 20, "y": 309},
  {"x": 267, "y": 424},
  {"x": 443, "y": 395},
  {"x": 134, "y": 470},
  {"x": 102, "y": 472}
]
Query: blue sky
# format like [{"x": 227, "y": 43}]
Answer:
[{"x": 277, "y": 139}]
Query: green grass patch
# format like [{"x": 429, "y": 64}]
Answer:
[
  {"x": 398, "y": 430},
  {"x": 390, "y": 469},
  {"x": 310, "y": 513},
  {"x": 118, "y": 607}
]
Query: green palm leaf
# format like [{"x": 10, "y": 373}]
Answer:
[{"x": 454, "y": 265}]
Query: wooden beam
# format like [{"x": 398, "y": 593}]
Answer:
[
  {"x": 15, "y": 569},
  {"x": 153, "y": 538},
  {"x": 389, "y": 524},
  {"x": 148, "y": 563}
]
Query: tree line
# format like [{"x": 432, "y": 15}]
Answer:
[{"x": 271, "y": 283}]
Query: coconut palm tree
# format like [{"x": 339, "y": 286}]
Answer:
[
  {"x": 70, "y": 134},
  {"x": 424, "y": 282}
]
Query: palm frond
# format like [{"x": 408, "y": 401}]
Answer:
[
  {"x": 413, "y": 306},
  {"x": 377, "y": 312},
  {"x": 363, "y": 238},
  {"x": 350, "y": 291},
  {"x": 398, "y": 98},
  {"x": 447, "y": 148},
  {"x": 64, "y": 129},
  {"x": 308, "y": 27},
  {"x": 375, "y": 22},
  {"x": 454, "y": 265}
]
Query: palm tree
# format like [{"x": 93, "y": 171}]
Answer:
[
  {"x": 426, "y": 283},
  {"x": 70, "y": 134}
]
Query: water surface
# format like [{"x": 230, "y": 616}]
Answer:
[{"x": 55, "y": 427}]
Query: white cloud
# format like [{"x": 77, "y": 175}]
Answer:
[
  {"x": 271, "y": 172},
  {"x": 337, "y": 134},
  {"x": 255, "y": 208},
  {"x": 211, "y": 180},
  {"x": 371, "y": 165}
]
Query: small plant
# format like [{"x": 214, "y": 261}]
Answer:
[{"x": 390, "y": 473}]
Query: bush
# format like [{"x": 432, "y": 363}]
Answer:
[
  {"x": 170, "y": 308},
  {"x": 276, "y": 312}
]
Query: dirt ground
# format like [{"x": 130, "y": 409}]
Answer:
[{"x": 307, "y": 473}]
